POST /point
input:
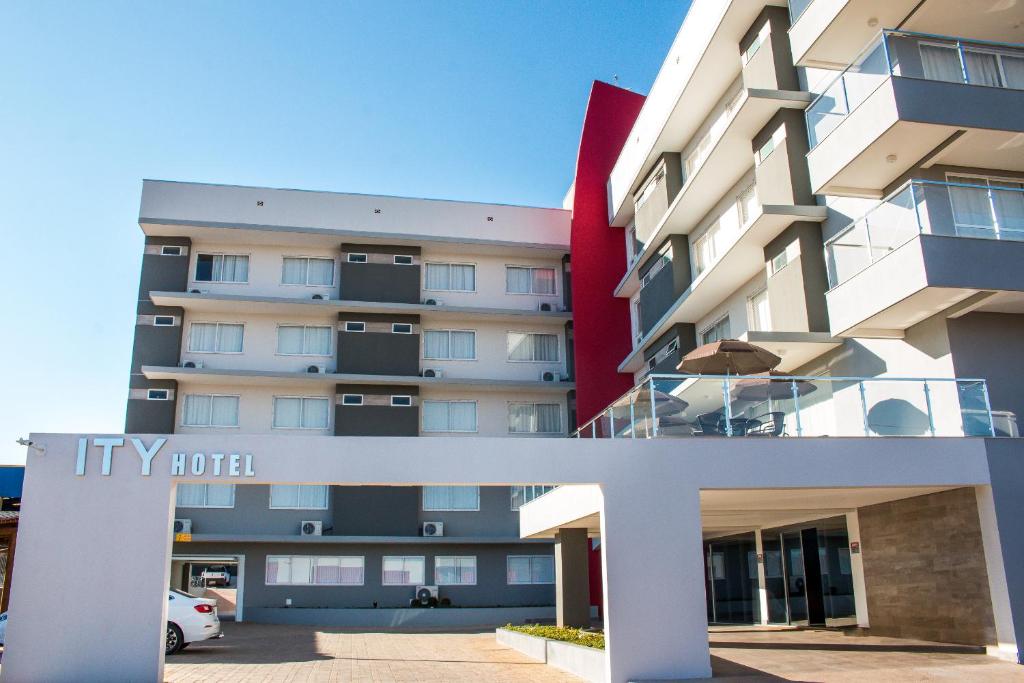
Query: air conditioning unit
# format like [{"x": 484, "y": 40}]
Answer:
[
  {"x": 433, "y": 372},
  {"x": 433, "y": 529},
  {"x": 547, "y": 307},
  {"x": 550, "y": 376},
  {"x": 198, "y": 291},
  {"x": 433, "y": 302},
  {"x": 311, "y": 528},
  {"x": 319, "y": 297},
  {"x": 426, "y": 595},
  {"x": 183, "y": 526},
  {"x": 317, "y": 369},
  {"x": 192, "y": 364}
]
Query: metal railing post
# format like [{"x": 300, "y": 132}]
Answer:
[
  {"x": 864, "y": 408},
  {"x": 593, "y": 429},
  {"x": 988, "y": 409},
  {"x": 928, "y": 405},
  {"x": 654, "y": 420},
  {"x": 611, "y": 422},
  {"x": 728, "y": 408},
  {"x": 632, "y": 418},
  {"x": 796, "y": 408},
  {"x": 963, "y": 62}
]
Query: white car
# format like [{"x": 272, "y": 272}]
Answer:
[
  {"x": 216, "y": 575},
  {"x": 190, "y": 619},
  {"x": 3, "y": 628}
]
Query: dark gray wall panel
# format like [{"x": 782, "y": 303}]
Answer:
[
  {"x": 955, "y": 104},
  {"x": 1006, "y": 467},
  {"x": 252, "y": 515},
  {"x": 376, "y": 511},
  {"x": 771, "y": 66},
  {"x": 376, "y": 420},
  {"x": 987, "y": 345},
  {"x": 380, "y": 282},
  {"x": 374, "y": 353},
  {"x": 494, "y": 518},
  {"x": 149, "y": 417},
  {"x": 157, "y": 345}
]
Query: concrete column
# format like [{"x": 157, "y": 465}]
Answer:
[
  {"x": 762, "y": 587},
  {"x": 655, "y": 614},
  {"x": 1002, "y": 610},
  {"x": 572, "y": 578},
  {"x": 860, "y": 591},
  {"x": 1000, "y": 510}
]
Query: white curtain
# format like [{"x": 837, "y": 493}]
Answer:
[
  {"x": 463, "y": 277},
  {"x": 302, "y": 496},
  {"x": 463, "y": 345},
  {"x": 439, "y": 498},
  {"x": 228, "y": 268},
  {"x": 436, "y": 344},
  {"x": 435, "y": 416},
  {"x": 294, "y": 272},
  {"x": 220, "y": 495},
  {"x": 196, "y": 412},
  {"x": 403, "y": 571},
  {"x": 314, "y": 413},
  {"x": 313, "y": 496},
  {"x": 202, "y": 337},
  {"x": 284, "y": 496},
  {"x": 302, "y": 570},
  {"x": 437, "y": 276},
  {"x": 972, "y": 211},
  {"x": 941, "y": 63},
  {"x": 1013, "y": 69},
  {"x": 462, "y": 416},
  {"x": 279, "y": 570},
  {"x": 518, "y": 570},
  {"x": 289, "y": 339},
  {"x": 542, "y": 569},
  {"x": 287, "y": 412},
  {"x": 455, "y": 571},
  {"x": 229, "y": 338},
  {"x": 318, "y": 341},
  {"x": 548, "y": 418},
  {"x": 543, "y": 280},
  {"x": 338, "y": 571},
  {"x": 205, "y": 495},
  {"x": 224, "y": 411},
  {"x": 517, "y": 280},
  {"x": 982, "y": 68},
  {"x": 1008, "y": 199},
  {"x": 532, "y": 347},
  {"x": 191, "y": 495},
  {"x": 321, "y": 272},
  {"x": 521, "y": 418}
]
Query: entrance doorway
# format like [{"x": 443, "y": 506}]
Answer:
[
  {"x": 808, "y": 578},
  {"x": 217, "y": 577}
]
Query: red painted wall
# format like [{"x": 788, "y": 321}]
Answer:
[{"x": 601, "y": 325}]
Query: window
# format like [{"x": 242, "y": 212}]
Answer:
[
  {"x": 355, "y": 327},
  {"x": 449, "y": 345},
  {"x": 987, "y": 207},
  {"x": 768, "y": 147},
  {"x": 720, "y": 330},
  {"x": 532, "y": 347},
  {"x": 401, "y": 328},
  {"x": 163, "y": 320},
  {"x": 401, "y": 401},
  {"x": 303, "y": 340},
  {"x": 167, "y": 250},
  {"x": 210, "y": 410},
  {"x": 303, "y": 570},
  {"x": 298, "y": 497},
  {"x": 695, "y": 158},
  {"x": 760, "y": 314},
  {"x": 534, "y": 418},
  {"x": 527, "y": 280},
  {"x": 633, "y": 245},
  {"x": 784, "y": 257},
  {"x": 450, "y": 277},
  {"x": 222, "y": 268},
  {"x": 158, "y": 395},
  {"x": 205, "y": 496},
  {"x": 216, "y": 337},
  {"x": 301, "y": 270},
  {"x": 455, "y": 571},
  {"x": 649, "y": 188},
  {"x": 664, "y": 258},
  {"x": 451, "y": 498},
  {"x": 352, "y": 399},
  {"x": 530, "y": 569},
  {"x": 357, "y": 258},
  {"x": 521, "y": 495},
  {"x": 403, "y": 571},
  {"x": 449, "y": 416},
  {"x": 759, "y": 40},
  {"x": 403, "y": 260},
  {"x": 747, "y": 203},
  {"x": 299, "y": 412}
]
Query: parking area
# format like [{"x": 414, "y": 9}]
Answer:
[{"x": 259, "y": 652}]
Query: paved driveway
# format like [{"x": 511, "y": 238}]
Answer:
[{"x": 259, "y": 652}]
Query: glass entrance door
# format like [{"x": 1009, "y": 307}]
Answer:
[{"x": 731, "y": 580}]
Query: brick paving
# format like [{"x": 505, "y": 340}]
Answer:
[{"x": 292, "y": 654}]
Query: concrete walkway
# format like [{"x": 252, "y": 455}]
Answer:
[
  {"x": 259, "y": 652},
  {"x": 832, "y": 657}
]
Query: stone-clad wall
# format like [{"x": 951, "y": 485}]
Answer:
[{"x": 924, "y": 569}]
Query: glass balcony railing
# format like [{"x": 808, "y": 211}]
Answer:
[
  {"x": 761, "y": 407},
  {"x": 978, "y": 207},
  {"x": 913, "y": 55},
  {"x": 796, "y": 8}
]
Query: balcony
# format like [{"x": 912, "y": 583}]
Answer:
[
  {"x": 758, "y": 407},
  {"x": 916, "y": 99},
  {"x": 927, "y": 247}
]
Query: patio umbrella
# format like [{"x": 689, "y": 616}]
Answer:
[
  {"x": 770, "y": 385},
  {"x": 664, "y": 404},
  {"x": 728, "y": 357}
]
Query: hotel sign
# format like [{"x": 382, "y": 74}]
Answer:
[{"x": 181, "y": 464}]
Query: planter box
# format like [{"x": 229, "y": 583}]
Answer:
[
  {"x": 398, "y": 618},
  {"x": 586, "y": 662}
]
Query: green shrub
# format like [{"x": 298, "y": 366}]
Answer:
[{"x": 568, "y": 635}]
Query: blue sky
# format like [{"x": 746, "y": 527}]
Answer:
[{"x": 465, "y": 100}]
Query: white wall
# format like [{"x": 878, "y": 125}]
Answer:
[
  {"x": 490, "y": 281},
  {"x": 492, "y": 408},
  {"x": 736, "y": 307},
  {"x": 255, "y": 408},
  {"x": 265, "y": 269},
  {"x": 492, "y": 351}
]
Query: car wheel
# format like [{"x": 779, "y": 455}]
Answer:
[{"x": 175, "y": 639}]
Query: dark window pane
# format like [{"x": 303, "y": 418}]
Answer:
[{"x": 204, "y": 268}]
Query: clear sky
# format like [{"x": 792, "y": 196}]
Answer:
[{"x": 464, "y": 100}]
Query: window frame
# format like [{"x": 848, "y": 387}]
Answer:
[
  {"x": 184, "y": 402},
  {"x": 273, "y": 415},
  {"x": 330, "y": 341},
  {"x": 458, "y": 569},
  {"x": 166, "y": 395},
  {"x": 218, "y": 323},
  {"x": 312, "y": 568},
  {"x": 476, "y": 415},
  {"x": 423, "y": 498},
  {"x": 355, "y": 322},
  {"x": 508, "y": 349},
  {"x": 753, "y": 317},
  {"x": 421, "y": 558},
  {"x": 206, "y": 496},
  {"x": 708, "y": 328},
  {"x": 307, "y": 259},
  {"x": 411, "y": 262},
  {"x": 508, "y": 559},
  {"x": 512, "y": 493},
  {"x": 427, "y": 264},
  {"x": 345, "y": 397},
  {"x": 157, "y": 323},
  {"x": 395, "y": 326},
  {"x": 553, "y": 269},
  {"x": 195, "y": 270},
  {"x": 164, "y": 250},
  {"x": 401, "y": 398},
  {"x": 270, "y": 498},
  {"x": 508, "y": 415},
  {"x": 423, "y": 345},
  {"x": 360, "y": 258}
]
